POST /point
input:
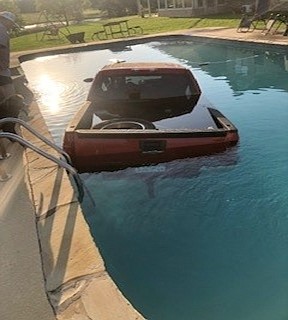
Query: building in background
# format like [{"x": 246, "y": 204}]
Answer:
[
  {"x": 195, "y": 8},
  {"x": 190, "y": 8}
]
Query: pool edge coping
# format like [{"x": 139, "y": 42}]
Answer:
[{"x": 73, "y": 269}]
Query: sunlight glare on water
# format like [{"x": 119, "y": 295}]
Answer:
[
  {"x": 49, "y": 93},
  {"x": 203, "y": 238}
]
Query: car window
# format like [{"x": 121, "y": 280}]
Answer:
[{"x": 143, "y": 87}]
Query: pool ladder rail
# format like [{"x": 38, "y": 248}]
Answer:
[{"x": 63, "y": 162}]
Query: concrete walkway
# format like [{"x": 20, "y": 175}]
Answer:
[
  {"x": 50, "y": 266},
  {"x": 22, "y": 290},
  {"x": 257, "y": 36}
]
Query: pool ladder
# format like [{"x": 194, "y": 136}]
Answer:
[{"x": 64, "y": 162}]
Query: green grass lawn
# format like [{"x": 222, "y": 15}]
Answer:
[{"x": 150, "y": 25}]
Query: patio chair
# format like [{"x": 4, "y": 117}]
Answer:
[
  {"x": 274, "y": 22},
  {"x": 249, "y": 23},
  {"x": 285, "y": 33},
  {"x": 246, "y": 24},
  {"x": 51, "y": 31},
  {"x": 284, "y": 21}
]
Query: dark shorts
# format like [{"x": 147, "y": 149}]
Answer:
[{"x": 5, "y": 80}]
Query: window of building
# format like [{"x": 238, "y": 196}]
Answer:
[
  {"x": 200, "y": 4},
  {"x": 210, "y": 3},
  {"x": 170, "y": 3},
  {"x": 179, "y": 4}
]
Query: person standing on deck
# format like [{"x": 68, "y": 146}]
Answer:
[{"x": 7, "y": 22}]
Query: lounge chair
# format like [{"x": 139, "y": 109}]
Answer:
[
  {"x": 51, "y": 31},
  {"x": 249, "y": 23},
  {"x": 274, "y": 22},
  {"x": 246, "y": 24}
]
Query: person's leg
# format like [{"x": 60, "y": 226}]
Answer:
[
  {"x": 6, "y": 91},
  {"x": 6, "y": 88},
  {"x": 2, "y": 93}
]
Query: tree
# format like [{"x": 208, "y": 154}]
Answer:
[
  {"x": 9, "y": 5},
  {"x": 117, "y": 8},
  {"x": 26, "y": 5},
  {"x": 69, "y": 9}
]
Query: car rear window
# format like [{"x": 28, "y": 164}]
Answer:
[{"x": 143, "y": 87}]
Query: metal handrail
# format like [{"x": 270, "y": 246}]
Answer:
[
  {"x": 38, "y": 135},
  {"x": 60, "y": 162}
]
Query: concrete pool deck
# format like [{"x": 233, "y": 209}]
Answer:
[{"x": 50, "y": 266}]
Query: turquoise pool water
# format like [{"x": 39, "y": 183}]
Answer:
[{"x": 205, "y": 238}]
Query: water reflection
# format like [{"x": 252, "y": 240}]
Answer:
[
  {"x": 150, "y": 176},
  {"x": 244, "y": 68},
  {"x": 49, "y": 93}
]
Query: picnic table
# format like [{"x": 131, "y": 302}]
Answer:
[{"x": 116, "y": 29}]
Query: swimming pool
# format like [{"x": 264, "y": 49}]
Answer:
[{"x": 203, "y": 238}]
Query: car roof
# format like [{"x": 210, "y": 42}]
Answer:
[{"x": 151, "y": 66}]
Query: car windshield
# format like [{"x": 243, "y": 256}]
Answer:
[{"x": 144, "y": 87}]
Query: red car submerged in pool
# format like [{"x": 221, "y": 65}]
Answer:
[{"x": 144, "y": 113}]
